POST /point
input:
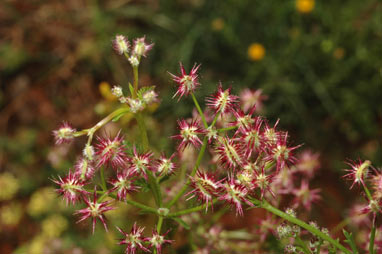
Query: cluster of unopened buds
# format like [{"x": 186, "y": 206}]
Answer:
[{"x": 251, "y": 164}]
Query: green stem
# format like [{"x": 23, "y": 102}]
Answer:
[
  {"x": 190, "y": 210},
  {"x": 142, "y": 129},
  {"x": 226, "y": 129},
  {"x": 367, "y": 192},
  {"x": 199, "y": 110},
  {"x": 135, "y": 71},
  {"x": 198, "y": 161},
  {"x": 159, "y": 225},
  {"x": 372, "y": 237},
  {"x": 103, "y": 182},
  {"x": 302, "y": 244},
  {"x": 264, "y": 204}
]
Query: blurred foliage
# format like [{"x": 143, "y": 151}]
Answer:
[{"x": 318, "y": 62}]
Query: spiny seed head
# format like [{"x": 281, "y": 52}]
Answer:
[
  {"x": 157, "y": 241},
  {"x": 140, "y": 163},
  {"x": 71, "y": 188},
  {"x": 141, "y": 48},
  {"x": 134, "y": 61},
  {"x": 133, "y": 240},
  {"x": 189, "y": 133},
  {"x": 88, "y": 152},
  {"x": 204, "y": 186},
  {"x": 124, "y": 184},
  {"x": 121, "y": 44},
  {"x": 358, "y": 172},
  {"x": 222, "y": 101},
  {"x": 64, "y": 134},
  {"x": 84, "y": 169},
  {"x": 94, "y": 210},
  {"x": 165, "y": 166},
  {"x": 250, "y": 98},
  {"x": 235, "y": 194},
  {"x": 111, "y": 151},
  {"x": 230, "y": 153},
  {"x": 187, "y": 83}
]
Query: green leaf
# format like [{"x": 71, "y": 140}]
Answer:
[
  {"x": 349, "y": 240},
  {"x": 131, "y": 88},
  {"x": 181, "y": 222}
]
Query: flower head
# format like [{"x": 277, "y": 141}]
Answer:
[
  {"x": 123, "y": 184},
  {"x": 141, "y": 48},
  {"x": 305, "y": 196},
  {"x": 133, "y": 240},
  {"x": 189, "y": 133},
  {"x": 165, "y": 166},
  {"x": 358, "y": 172},
  {"x": 64, "y": 134},
  {"x": 84, "y": 169},
  {"x": 250, "y": 136},
  {"x": 71, "y": 188},
  {"x": 281, "y": 153},
  {"x": 140, "y": 163},
  {"x": 205, "y": 187},
  {"x": 230, "y": 153},
  {"x": 222, "y": 101},
  {"x": 136, "y": 105},
  {"x": 235, "y": 194},
  {"x": 256, "y": 51},
  {"x": 263, "y": 181},
  {"x": 94, "y": 210},
  {"x": 250, "y": 98},
  {"x": 157, "y": 240},
  {"x": 121, "y": 44},
  {"x": 187, "y": 82},
  {"x": 111, "y": 151}
]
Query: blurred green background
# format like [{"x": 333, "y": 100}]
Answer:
[{"x": 319, "y": 63}]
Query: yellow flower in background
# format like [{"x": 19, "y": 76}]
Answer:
[
  {"x": 105, "y": 90},
  {"x": 305, "y": 6},
  {"x": 10, "y": 215},
  {"x": 43, "y": 200},
  {"x": 9, "y": 186},
  {"x": 54, "y": 225},
  {"x": 256, "y": 52},
  {"x": 217, "y": 24}
]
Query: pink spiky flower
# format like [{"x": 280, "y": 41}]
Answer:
[
  {"x": 84, "y": 169},
  {"x": 281, "y": 153},
  {"x": 270, "y": 134},
  {"x": 305, "y": 196},
  {"x": 235, "y": 194},
  {"x": 358, "y": 172},
  {"x": 251, "y": 137},
  {"x": 133, "y": 240},
  {"x": 165, "y": 166},
  {"x": 189, "y": 133},
  {"x": 123, "y": 184},
  {"x": 157, "y": 240},
  {"x": 230, "y": 153},
  {"x": 187, "y": 83},
  {"x": 141, "y": 48},
  {"x": 94, "y": 210},
  {"x": 205, "y": 187},
  {"x": 263, "y": 181},
  {"x": 249, "y": 98},
  {"x": 71, "y": 188},
  {"x": 64, "y": 134},
  {"x": 140, "y": 163},
  {"x": 376, "y": 182},
  {"x": 121, "y": 44},
  {"x": 222, "y": 101},
  {"x": 242, "y": 120},
  {"x": 111, "y": 151}
]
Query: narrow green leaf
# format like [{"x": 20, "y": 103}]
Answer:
[
  {"x": 181, "y": 222},
  {"x": 349, "y": 240}
]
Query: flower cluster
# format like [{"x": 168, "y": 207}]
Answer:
[
  {"x": 252, "y": 164},
  {"x": 135, "y": 240}
]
